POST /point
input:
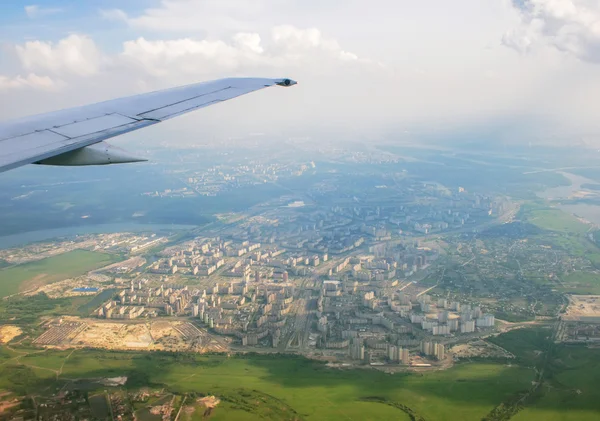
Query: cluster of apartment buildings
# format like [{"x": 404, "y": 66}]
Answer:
[{"x": 442, "y": 317}]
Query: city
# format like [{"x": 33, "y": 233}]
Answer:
[{"x": 396, "y": 274}]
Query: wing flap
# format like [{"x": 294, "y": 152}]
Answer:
[
  {"x": 92, "y": 125},
  {"x": 170, "y": 111}
]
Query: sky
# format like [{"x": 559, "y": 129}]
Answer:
[{"x": 510, "y": 70}]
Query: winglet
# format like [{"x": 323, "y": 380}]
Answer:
[{"x": 286, "y": 82}]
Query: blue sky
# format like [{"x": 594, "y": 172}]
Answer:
[{"x": 58, "y": 18}]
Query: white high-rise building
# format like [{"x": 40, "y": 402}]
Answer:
[
  {"x": 439, "y": 351},
  {"x": 443, "y": 316},
  {"x": 441, "y": 330},
  {"x": 392, "y": 353},
  {"x": 405, "y": 358},
  {"x": 426, "y": 348},
  {"x": 453, "y": 324},
  {"x": 467, "y": 327},
  {"x": 487, "y": 320}
]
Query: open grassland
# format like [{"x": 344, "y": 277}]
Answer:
[
  {"x": 569, "y": 386},
  {"x": 30, "y": 275},
  {"x": 26, "y": 310},
  {"x": 581, "y": 283},
  {"x": 317, "y": 392},
  {"x": 554, "y": 220},
  {"x": 277, "y": 387}
]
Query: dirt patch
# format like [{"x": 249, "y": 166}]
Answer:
[
  {"x": 164, "y": 411},
  {"x": 479, "y": 349},
  {"x": 8, "y": 404},
  {"x": 33, "y": 283},
  {"x": 8, "y": 333},
  {"x": 188, "y": 411},
  {"x": 582, "y": 308},
  {"x": 209, "y": 401}
]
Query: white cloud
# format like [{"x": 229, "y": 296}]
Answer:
[
  {"x": 34, "y": 11},
  {"x": 144, "y": 64},
  {"x": 295, "y": 41},
  {"x": 520, "y": 40},
  {"x": 571, "y": 26},
  {"x": 161, "y": 58},
  {"x": 76, "y": 54},
  {"x": 30, "y": 81},
  {"x": 160, "y": 63},
  {"x": 288, "y": 46},
  {"x": 249, "y": 42}
]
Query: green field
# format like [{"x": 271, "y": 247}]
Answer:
[
  {"x": 581, "y": 283},
  {"x": 569, "y": 388},
  {"x": 576, "y": 245},
  {"x": 279, "y": 387},
  {"x": 34, "y": 274},
  {"x": 565, "y": 232},
  {"x": 555, "y": 220},
  {"x": 25, "y": 310}
]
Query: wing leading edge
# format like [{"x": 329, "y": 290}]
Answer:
[{"x": 39, "y": 137}]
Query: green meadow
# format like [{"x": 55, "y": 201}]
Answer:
[
  {"x": 553, "y": 219},
  {"x": 581, "y": 283},
  {"x": 286, "y": 387},
  {"x": 568, "y": 390}
]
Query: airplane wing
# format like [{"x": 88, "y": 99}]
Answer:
[{"x": 75, "y": 136}]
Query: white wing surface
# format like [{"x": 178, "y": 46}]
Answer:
[{"x": 40, "y": 137}]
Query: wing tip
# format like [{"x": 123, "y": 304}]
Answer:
[{"x": 286, "y": 82}]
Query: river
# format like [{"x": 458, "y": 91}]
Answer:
[
  {"x": 566, "y": 192},
  {"x": 588, "y": 212}
]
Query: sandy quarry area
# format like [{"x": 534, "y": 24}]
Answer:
[
  {"x": 582, "y": 306},
  {"x": 8, "y": 333},
  {"x": 167, "y": 335},
  {"x": 115, "y": 335}
]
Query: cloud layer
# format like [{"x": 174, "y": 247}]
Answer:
[
  {"x": 571, "y": 26},
  {"x": 78, "y": 55},
  {"x": 377, "y": 67}
]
